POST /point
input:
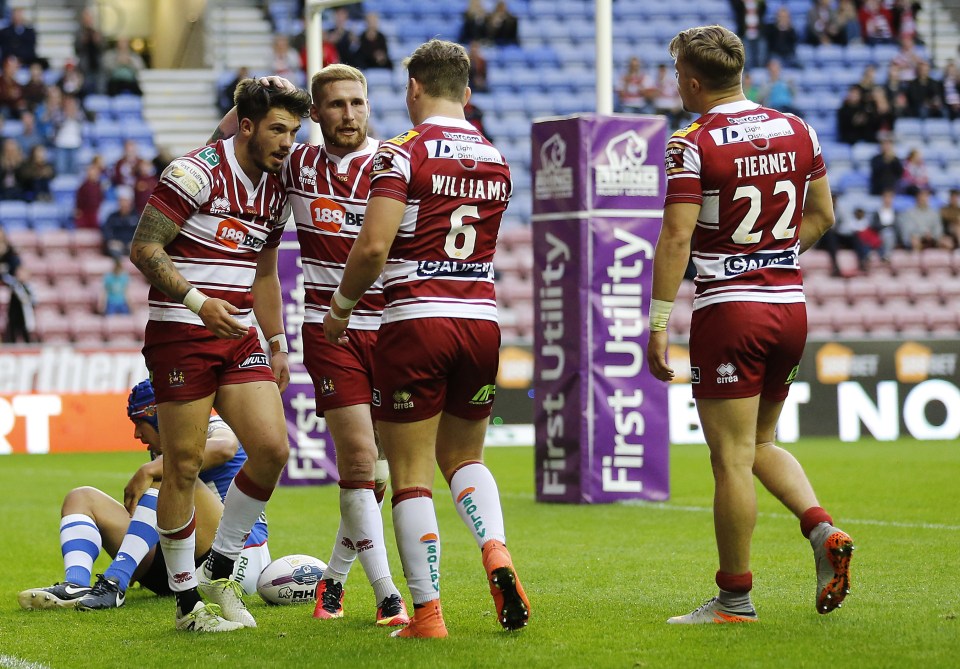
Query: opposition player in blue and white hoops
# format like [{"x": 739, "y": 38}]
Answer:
[
  {"x": 91, "y": 520},
  {"x": 747, "y": 193}
]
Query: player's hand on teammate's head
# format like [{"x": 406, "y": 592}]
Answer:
[
  {"x": 216, "y": 315},
  {"x": 274, "y": 81}
]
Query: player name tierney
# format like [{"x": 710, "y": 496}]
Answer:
[
  {"x": 485, "y": 189},
  {"x": 755, "y": 166}
]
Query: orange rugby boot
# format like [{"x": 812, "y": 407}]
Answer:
[
  {"x": 427, "y": 623},
  {"x": 513, "y": 607}
]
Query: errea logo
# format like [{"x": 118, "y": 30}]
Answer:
[
  {"x": 233, "y": 234},
  {"x": 308, "y": 175},
  {"x": 727, "y": 373},
  {"x": 219, "y": 205},
  {"x": 401, "y": 399}
]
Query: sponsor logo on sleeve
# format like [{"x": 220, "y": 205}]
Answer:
[
  {"x": 210, "y": 156},
  {"x": 673, "y": 160},
  {"x": 186, "y": 176},
  {"x": 382, "y": 162},
  {"x": 683, "y": 132},
  {"x": 400, "y": 140}
]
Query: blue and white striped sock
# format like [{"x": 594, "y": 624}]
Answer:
[
  {"x": 80, "y": 545},
  {"x": 141, "y": 536}
]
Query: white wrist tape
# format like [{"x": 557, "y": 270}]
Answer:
[
  {"x": 659, "y": 315},
  {"x": 278, "y": 344},
  {"x": 344, "y": 303},
  {"x": 193, "y": 300},
  {"x": 342, "y": 319}
]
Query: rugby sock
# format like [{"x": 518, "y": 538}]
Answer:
[
  {"x": 342, "y": 557},
  {"x": 178, "y": 546},
  {"x": 418, "y": 539},
  {"x": 477, "y": 499},
  {"x": 735, "y": 591},
  {"x": 244, "y": 503},
  {"x": 80, "y": 545},
  {"x": 141, "y": 536},
  {"x": 362, "y": 522},
  {"x": 813, "y": 517}
]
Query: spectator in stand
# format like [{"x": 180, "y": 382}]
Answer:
[
  {"x": 35, "y": 175},
  {"x": 848, "y": 233},
  {"x": 35, "y": 89},
  {"x": 121, "y": 68},
  {"x": 144, "y": 184},
  {"x": 120, "y": 225},
  {"x": 372, "y": 51},
  {"x": 915, "y": 175},
  {"x": 751, "y": 17},
  {"x": 782, "y": 38},
  {"x": 750, "y": 89},
  {"x": 822, "y": 24},
  {"x": 73, "y": 81},
  {"x": 886, "y": 169},
  {"x": 20, "y": 320},
  {"x": 921, "y": 227},
  {"x": 285, "y": 61},
  {"x": 896, "y": 90},
  {"x": 876, "y": 23},
  {"x": 88, "y": 46},
  {"x": 925, "y": 94},
  {"x": 11, "y": 158},
  {"x": 951, "y": 90},
  {"x": 847, "y": 29},
  {"x": 908, "y": 59},
  {"x": 478, "y": 68},
  {"x": 881, "y": 112},
  {"x": 113, "y": 298},
  {"x": 19, "y": 38},
  {"x": 668, "y": 100},
  {"x": 29, "y": 136},
  {"x": 344, "y": 38},
  {"x": 950, "y": 217},
  {"x": 225, "y": 100},
  {"x": 904, "y": 13},
  {"x": 11, "y": 92},
  {"x": 884, "y": 223},
  {"x": 868, "y": 79},
  {"x": 89, "y": 197},
  {"x": 854, "y": 121},
  {"x": 778, "y": 92},
  {"x": 637, "y": 92},
  {"x": 474, "y": 26},
  {"x": 49, "y": 113},
  {"x": 125, "y": 169},
  {"x": 502, "y": 25}
]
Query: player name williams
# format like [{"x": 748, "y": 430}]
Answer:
[
  {"x": 755, "y": 166},
  {"x": 485, "y": 189}
]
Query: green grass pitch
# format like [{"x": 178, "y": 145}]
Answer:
[{"x": 601, "y": 579}]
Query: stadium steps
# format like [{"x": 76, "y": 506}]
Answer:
[
  {"x": 939, "y": 31},
  {"x": 239, "y": 34},
  {"x": 55, "y": 24},
  {"x": 180, "y": 107}
]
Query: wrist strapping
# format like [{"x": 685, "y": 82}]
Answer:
[
  {"x": 343, "y": 303},
  {"x": 278, "y": 344},
  {"x": 659, "y": 314},
  {"x": 342, "y": 319},
  {"x": 193, "y": 300}
]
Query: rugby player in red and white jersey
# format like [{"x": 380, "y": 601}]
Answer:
[
  {"x": 438, "y": 193},
  {"x": 207, "y": 242},
  {"x": 328, "y": 187},
  {"x": 747, "y": 193}
]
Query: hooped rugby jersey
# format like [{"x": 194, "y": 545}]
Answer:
[
  {"x": 748, "y": 168},
  {"x": 329, "y": 197},
  {"x": 218, "y": 479},
  {"x": 456, "y": 186},
  {"x": 225, "y": 221}
]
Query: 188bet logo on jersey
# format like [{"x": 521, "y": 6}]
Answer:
[
  {"x": 234, "y": 234},
  {"x": 331, "y": 216}
]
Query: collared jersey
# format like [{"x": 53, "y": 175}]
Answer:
[
  {"x": 748, "y": 168},
  {"x": 456, "y": 186},
  {"x": 225, "y": 221},
  {"x": 329, "y": 197}
]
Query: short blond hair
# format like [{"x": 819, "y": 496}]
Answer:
[
  {"x": 714, "y": 53},
  {"x": 333, "y": 73},
  {"x": 443, "y": 68}
]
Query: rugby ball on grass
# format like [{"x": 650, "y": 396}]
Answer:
[{"x": 291, "y": 579}]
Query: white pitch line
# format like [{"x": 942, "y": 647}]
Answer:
[
  {"x": 9, "y": 662},
  {"x": 846, "y": 521}
]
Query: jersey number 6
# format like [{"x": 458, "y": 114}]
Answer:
[{"x": 462, "y": 237}]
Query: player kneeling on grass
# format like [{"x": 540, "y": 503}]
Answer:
[{"x": 91, "y": 520}]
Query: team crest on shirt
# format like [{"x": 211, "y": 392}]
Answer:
[
  {"x": 176, "y": 378},
  {"x": 219, "y": 205},
  {"x": 308, "y": 175},
  {"x": 402, "y": 399},
  {"x": 326, "y": 387}
]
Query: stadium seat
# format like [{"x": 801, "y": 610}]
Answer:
[
  {"x": 24, "y": 240},
  {"x": 46, "y": 216},
  {"x": 126, "y": 107},
  {"x": 14, "y": 214},
  {"x": 57, "y": 241}
]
